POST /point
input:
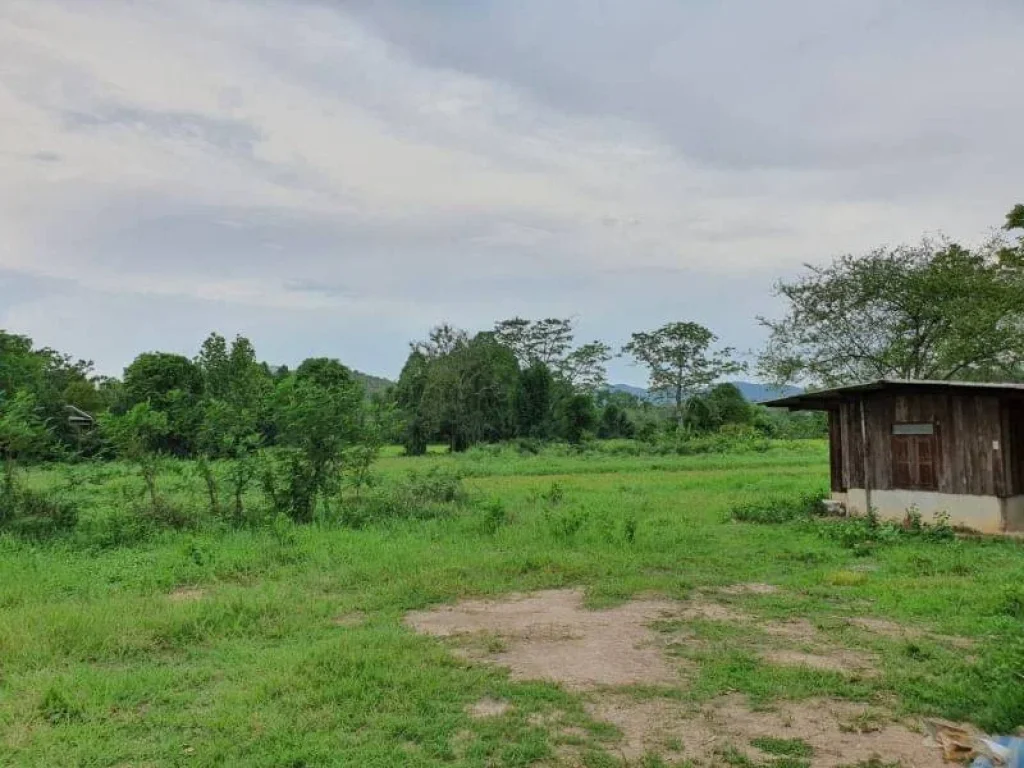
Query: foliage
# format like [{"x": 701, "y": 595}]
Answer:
[
  {"x": 420, "y": 496},
  {"x": 53, "y": 379},
  {"x": 535, "y": 398},
  {"x": 23, "y": 432},
  {"x": 777, "y": 509},
  {"x": 408, "y": 397},
  {"x": 549, "y": 343},
  {"x": 680, "y": 361},
  {"x": 546, "y": 341},
  {"x": 576, "y": 417},
  {"x": 318, "y": 416},
  {"x": 934, "y": 310},
  {"x": 470, "y": 391},
  {"x": 172, "y": 385},
  {"x": 138, "y": 436},
  {"x": 614, "y": 422},
  {"x": 584, "y": 367},
  {"x": 33, "y": 514}
]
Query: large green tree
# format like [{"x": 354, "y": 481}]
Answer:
[
  {"x": 934, "y": 310},
  {"x": 551, "y": 342},
  {"x": 470, "y": 391},
  {"x": 318, "y": 420},
  {"x": 680, "y": 360},
  {"x": 408, "y": 398},
  {"x": 172, "y": 385},
  {"x": 535, "y": 400},
  {"x": 54, "y": 380}
]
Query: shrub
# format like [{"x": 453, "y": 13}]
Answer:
[
  {"x": 425, "y": 496},
  {"x": 33, "y": 514},
  {"x": 567, "y": 524},
  {"x": 1009, "y": 601},
  {"x": 780, "y": 509},
  {"x": 863, "y": 533},
  {"x": 290, "y": 484},
  {"x": 495, "y": 516}
]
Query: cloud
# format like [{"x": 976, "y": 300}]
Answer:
[{"x": 371, "y": 168}]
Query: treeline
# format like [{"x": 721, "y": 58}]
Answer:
[
  {"x": 931, "y": 310},
  {"x": 523, "y": 379}
]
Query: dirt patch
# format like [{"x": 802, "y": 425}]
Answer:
[
  {"x": 840, "y": 660},
  {"x": 353, "y": 619},
  {"x": 551, "y": 636},
  {"x": 796, "y": 630},
  {"x": 488, "y": 707},
  {"x": 897, "y": 631},
  {"x": 710, "y": 611},
  {"x": 728, "y": 723},
  {"x": 753, "y": 588},
  {"x": 186, "y": 595},
  {"x": 883, "y": 627}
]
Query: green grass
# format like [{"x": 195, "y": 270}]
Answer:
[
  {"x": 99, "y": 666},
  {"x": 783, "y": 747}
]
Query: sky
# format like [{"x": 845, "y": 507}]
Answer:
[{"x": 334, "y": 178}]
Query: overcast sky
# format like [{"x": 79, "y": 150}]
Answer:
[{"x": 333, "y": 178}]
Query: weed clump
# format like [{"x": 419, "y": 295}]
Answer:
[
  {"x": 862, "y": 534},
  {"x": 421, "y": 496},
  {"x": 782, "y": 509},
  {"x": 32, "y": 514}
]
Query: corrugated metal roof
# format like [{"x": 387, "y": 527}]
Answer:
[{"x": 818, "y": 400}]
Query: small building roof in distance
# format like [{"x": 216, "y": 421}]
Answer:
[{"x": 825, "y": 399}]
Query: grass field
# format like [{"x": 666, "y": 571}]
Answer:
[{"x": 285, "y": 645}]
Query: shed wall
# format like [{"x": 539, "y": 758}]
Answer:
[{"x": 972, "y": 439}]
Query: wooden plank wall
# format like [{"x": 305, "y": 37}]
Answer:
[
  {"x": 1013, "y": 436},
  {"x": 835, "y": 452},
  {"x": 966, "y": 426}
]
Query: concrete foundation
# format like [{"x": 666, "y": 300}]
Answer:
[{"x": 986, "y": 514}]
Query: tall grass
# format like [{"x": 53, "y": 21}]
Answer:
[{"x": 283, "y": 644}]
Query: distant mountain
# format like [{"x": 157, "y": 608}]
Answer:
[
  {"x": 639, "y": 392},
  {"x": 753, "y": 391},
  {"x": 758, "y": 393}
]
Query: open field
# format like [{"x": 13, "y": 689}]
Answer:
[{"x": 656, "y": 631}]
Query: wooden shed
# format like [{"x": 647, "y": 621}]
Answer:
[{"x": 934, "y": 446}]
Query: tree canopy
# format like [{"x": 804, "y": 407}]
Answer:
[
  {"x": 680, "y": 360},
  {"x": 934, "y": 310}
]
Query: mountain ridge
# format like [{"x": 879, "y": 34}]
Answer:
[{"x": 753, "y": 391}]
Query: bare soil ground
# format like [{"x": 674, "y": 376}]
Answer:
[{"x": 551, "y": 636}]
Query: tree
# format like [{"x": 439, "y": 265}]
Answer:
[
  {"x": 408, "y": 396},
  {"x": 576, "y": 417},
  {"x": 469, "y": 394},
  {"x": 152, "y": 376},
  {"x": 1015, "y": 218},
  {"x": 215, "y": 367},
  {"x": 173, "y": 385},
  {"x": 728, "y": 405},
  {"x": 615, "y": 422},
  {"x": 928, "y": 311},
  {"x": 23, "y": 433},
  {"x": 138, "y": 436},
  {"x": 584, "y": 367},
  {"x": 442, "y": 340},
  {"x": 534, "y": 401},
  {"x": 550, "y": 343},
  {"x": 317, "y": 418},
  {"x": 52, "y": 378},
  {"x": 680, "y": 361},
  {"x": 545, "y": 341},
  {"x": 327, "y": 373}
]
